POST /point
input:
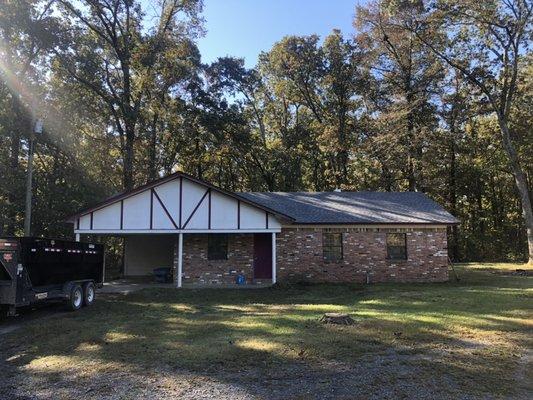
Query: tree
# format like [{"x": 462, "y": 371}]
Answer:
[
  {"x": 107, "y": 49},
  {"x": 24, "y": 37},
  {"x": 228, "y": 79},
  {"x": 455, "y": 111},
  {"x": 319, "y": 87},
  {"x": 125, "y": 98},
  {"x": 408, "y": 76},
  {"x": 485, "y": 41},
  {"x": 342, "y": 83}
]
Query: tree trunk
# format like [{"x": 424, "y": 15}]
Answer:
[
  {"x": 152, "y": 151},
  {"x": 411, "y": 174},
  {"x": 452, "y": 195},
  {"x": 386, "y": 178},
  {"x": 128, "y": 157},
  {"x": 199, "y": 169},
  {"x": 521, "y": 182},
  {"x": 337, "y": 318}
]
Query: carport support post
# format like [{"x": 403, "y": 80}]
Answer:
[
  {"x": 273, "y": 257},
  {"x": 179, "y": 256}
]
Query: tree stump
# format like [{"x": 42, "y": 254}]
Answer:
[{"x": 337, "y": 318}]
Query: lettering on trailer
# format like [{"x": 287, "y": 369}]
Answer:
[{"x": 8, "y": 245}]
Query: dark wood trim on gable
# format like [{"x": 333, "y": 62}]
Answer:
[
  {"x": 195, "y": 208},
  {"x": 91, "y": 220},
  {"x": 181, "y": 201},
  {"x": 165, "y": 209},
  {"x": 151, "y": 208},
  {"x": 238, "y": 214},
  {"x": 266, "y": 220},
  {"x": 169, "y": 178},
  {"x": 121, "y": 214},
  {"x": 209, "y": 210}
]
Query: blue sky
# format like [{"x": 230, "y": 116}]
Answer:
[{"x": 244, "y": 28}]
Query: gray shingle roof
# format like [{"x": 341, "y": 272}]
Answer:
[{"x": 354, "y": 207}]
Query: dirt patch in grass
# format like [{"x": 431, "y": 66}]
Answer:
[{"x": 467, "y": 339}]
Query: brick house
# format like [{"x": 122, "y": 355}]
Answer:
[{"x": 209, "y": 236}]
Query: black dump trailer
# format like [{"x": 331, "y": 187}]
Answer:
[{"x": 34, "y": 270}]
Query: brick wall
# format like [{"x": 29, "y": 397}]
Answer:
[
  {"x": 199, "y": 270},
  {"x": 299, "y": 256}
]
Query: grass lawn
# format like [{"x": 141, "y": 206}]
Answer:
[{"x": 469, "y": 339}]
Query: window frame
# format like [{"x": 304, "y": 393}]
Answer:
[
  {"x": 330, "y": 248},
  {"x": 217, "y": 239},
  {"x": 391, "y": 255}
]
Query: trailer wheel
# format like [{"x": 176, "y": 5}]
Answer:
[
  {"x": 89, "y": 293},
  {"x": 76, "y": 298}
]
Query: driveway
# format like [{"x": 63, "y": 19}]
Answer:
[
  {"x": 28, "y": 314},
  {"x": 127, "y": 286}
]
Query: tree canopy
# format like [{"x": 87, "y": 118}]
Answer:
[{"x": 432, "y": 96}]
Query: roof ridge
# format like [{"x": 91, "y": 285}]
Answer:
[{"x": 340, "y": 192}]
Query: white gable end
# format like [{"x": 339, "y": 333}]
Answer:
[
  {"x": 107, "y": 217},
  {"x": 223, "y": 212},
  {"x": 136, "y": 213},
  {"x": 167, "y": 194},
  {"x": 84, "y": 222},
  {"x": 200, "y": 218},
  {"x": 273, "y": 222},
  {"x": 179, "y": 205},
  {"x": 252, "y": 217},
  {"x": 161, "y": 219},
  {"x": 194, "y": 196}
]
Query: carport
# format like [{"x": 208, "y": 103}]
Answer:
[{"x": 205, "y": 234}]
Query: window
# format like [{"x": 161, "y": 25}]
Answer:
[
  {"x": 396, "y": 246},
  {"x": 217, "y": 247},
  {"x": 332, "y": 246}
]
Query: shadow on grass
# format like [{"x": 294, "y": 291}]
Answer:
[{"x": 441, "y": 338}]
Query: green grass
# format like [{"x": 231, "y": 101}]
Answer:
[{"x": 476, "y": 332}]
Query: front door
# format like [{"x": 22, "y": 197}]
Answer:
[{"x": 263, "y": 256}]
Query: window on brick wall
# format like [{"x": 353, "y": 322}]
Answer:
[
  {"x": 332, "y": 246},
  {"x": 396, "y": 246},
  {"x": 217, "y": 246}
]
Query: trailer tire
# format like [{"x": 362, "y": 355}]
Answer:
[
  {"x": 75, "y": 300},
  {"x": 89, "y": 294}
]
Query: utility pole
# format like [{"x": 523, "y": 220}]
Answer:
[{"x": 38, "y": 128}]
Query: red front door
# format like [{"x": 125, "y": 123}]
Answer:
[{"x": 262, "y": 256}]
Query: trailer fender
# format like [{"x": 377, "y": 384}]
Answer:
[{"x": 67, "y": 289}]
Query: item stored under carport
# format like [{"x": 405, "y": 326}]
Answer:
[
  {"x": 35, "y": 269},
  {"x": 163, "y": 275}
]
